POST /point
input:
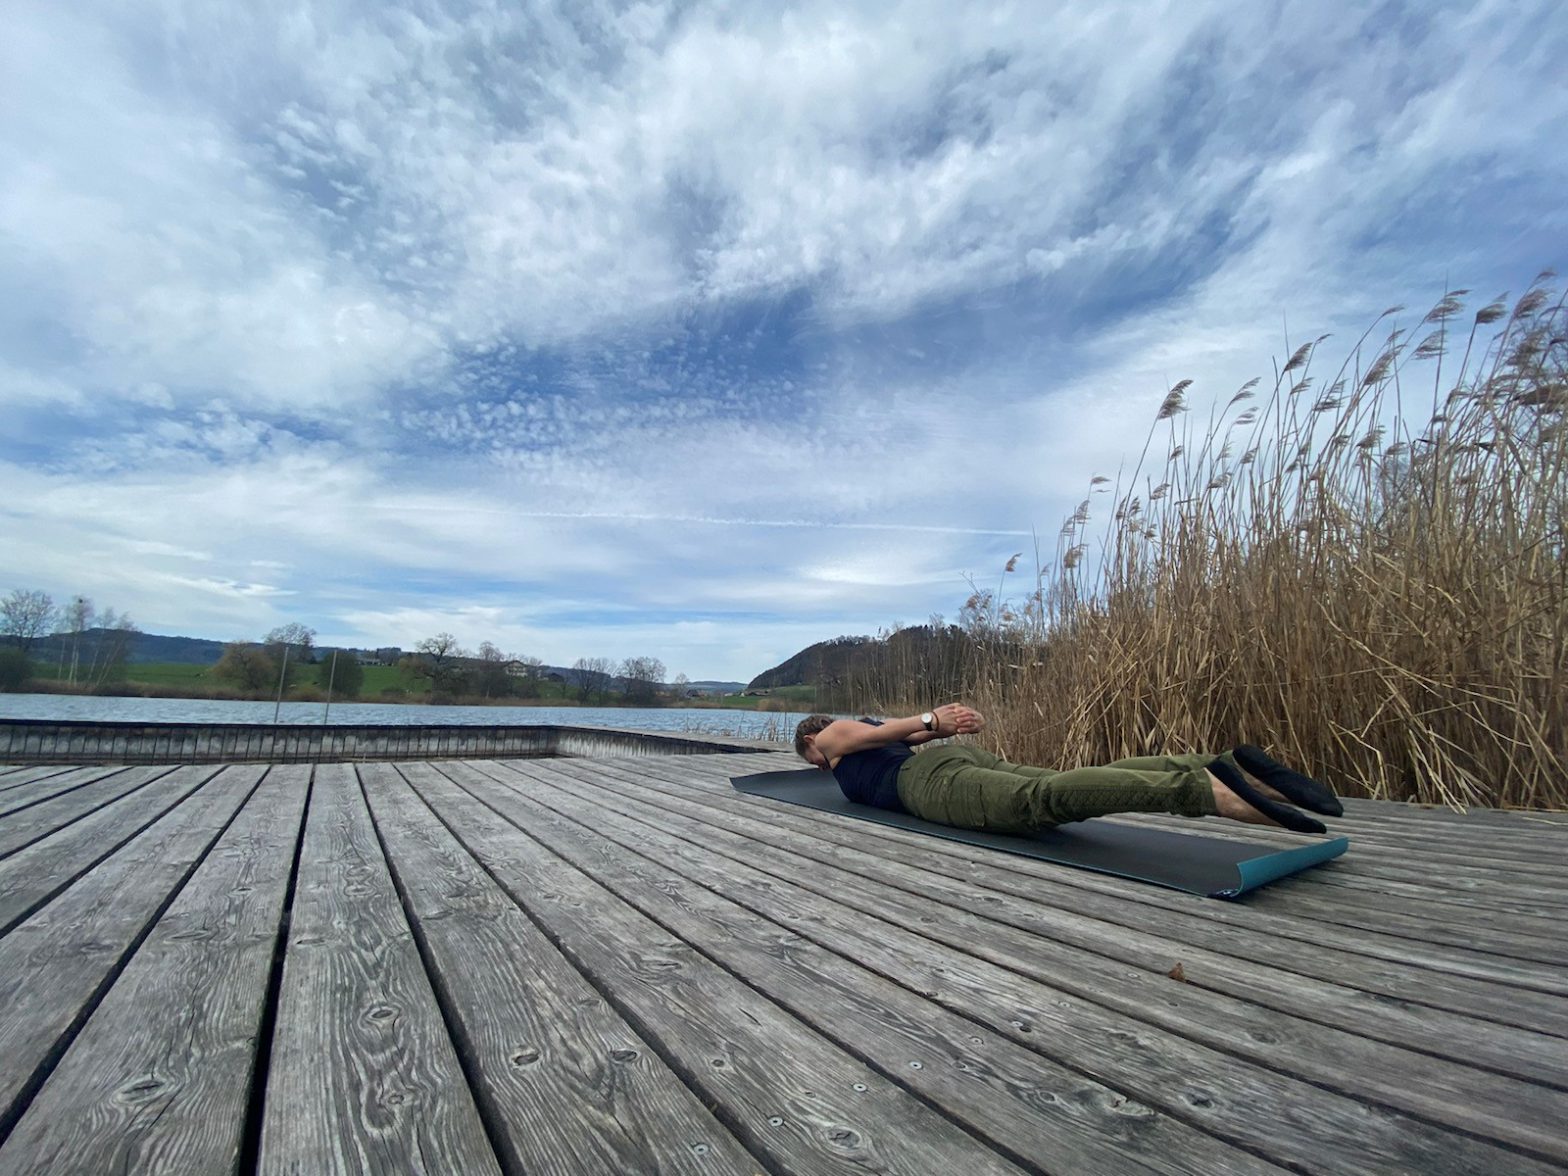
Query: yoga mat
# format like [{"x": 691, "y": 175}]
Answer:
[{"x": 1198, "y": 865}]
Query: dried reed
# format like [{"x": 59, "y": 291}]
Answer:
[{"x": 1384, "y": 604}]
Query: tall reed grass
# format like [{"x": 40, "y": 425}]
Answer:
[{"x": 1381, "y": 600}]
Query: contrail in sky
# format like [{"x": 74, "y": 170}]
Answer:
[{"x": 707, "y": 520}]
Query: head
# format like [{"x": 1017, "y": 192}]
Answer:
[{"x": 806, "y": 733}]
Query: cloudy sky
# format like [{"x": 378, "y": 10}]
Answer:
[{"x": 700, "y": 331}]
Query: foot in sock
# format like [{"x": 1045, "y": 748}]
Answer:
[
  {"x": 1292, "y": 785},
  {"x": 1240, "y": 801}
]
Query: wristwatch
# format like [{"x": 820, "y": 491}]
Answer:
[{"x": 929, "y": 719}]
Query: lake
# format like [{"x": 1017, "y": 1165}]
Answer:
[{"x": 742, "y": 724}]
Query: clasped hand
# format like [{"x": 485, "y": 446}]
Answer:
[{"x": 954, "y": 718}]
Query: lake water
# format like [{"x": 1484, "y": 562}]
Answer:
[{"x": 743, "y": 724}]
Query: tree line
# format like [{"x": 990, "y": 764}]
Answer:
[
  {"x": 450, "y": 670},
  {"x": 89, "y": 645}
]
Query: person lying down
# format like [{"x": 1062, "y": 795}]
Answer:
[{"x": 875, "y": 763}]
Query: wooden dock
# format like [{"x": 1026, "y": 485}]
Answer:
[{"x": 621, "y": 966}]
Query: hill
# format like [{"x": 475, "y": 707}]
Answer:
[
  {"x": 816, "y": 663},
  {"x": 144, "y": 647},
  {"x": 921, "y": 663}
]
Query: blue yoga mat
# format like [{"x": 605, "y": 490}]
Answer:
[{"x": 1199, "y": 865}]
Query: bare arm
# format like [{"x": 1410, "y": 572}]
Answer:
[{"x": 847, "y": 736}]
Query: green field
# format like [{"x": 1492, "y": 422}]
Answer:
[
  {"x": 153, "y": 673},
  {"x": 793, "y": 698}
]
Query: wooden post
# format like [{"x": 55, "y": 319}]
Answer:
[
  {"x": 332, "y": 674},
  {"x": 283, "y": 671}
]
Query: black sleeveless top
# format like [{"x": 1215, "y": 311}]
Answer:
[{"x": 871, "y": 776}]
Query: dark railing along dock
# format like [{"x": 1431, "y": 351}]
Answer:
[
  {"x": 50, "y": 741},
  {"x": 621, "y": 965}
]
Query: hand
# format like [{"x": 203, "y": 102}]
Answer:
[{"x": 956, "y": 719}]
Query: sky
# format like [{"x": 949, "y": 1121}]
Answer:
[{"x": 699, "y": 331}]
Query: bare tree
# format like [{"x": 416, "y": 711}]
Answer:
[
  {"x": 643, "y": 676},
  {"x": 297, "y": 641},
  {"x": 25, "y": 617},
  {"x": 490, "y": 675},
  {"x": 440, "y": 660},
  {"x": 110, "y": 647},
  {"x": 78, "y": 618},
  {"x": 593, "y": 677}
]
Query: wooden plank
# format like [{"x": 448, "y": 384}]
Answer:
[
  {"x": 159, "y": 1077},
  {"x": 22, "y": 828},
  {"x": 1092, "y": 961},
  {"x": 31, "y": 876},
  {"x": 1385, "y": 967},
  {"x": 55, "y": 966},
  {"x": 1500, "y": 932},
  {"x": 1531, "y": 903},
  {"x": 1438, "y": 849},
  {"x": 1498, "y": 929},
  {"x": 792, "y": 1098},
  {"x": 36, "y": 791},
  {"x": 21, "y": 774},
  {"x": 1442, "y": 814},
  {"x": 1015, "y": 1098},
  {"x": 1380, "y": 854},
  {"x": 1478, "y": 889},
  {"x": 363, "y": 1077},
  {"x": 566, "y": 1085}
]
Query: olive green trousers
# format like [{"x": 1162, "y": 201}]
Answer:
[{"x": 973, "y": 789}]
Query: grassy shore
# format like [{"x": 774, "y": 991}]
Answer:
[{"x": 1361, "y": 567}]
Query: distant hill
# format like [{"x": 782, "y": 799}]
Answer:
[
  {"x": 922, "y": 663},
  {"x": 145, "y": 647},
  {"x": 823, "y": 661}
]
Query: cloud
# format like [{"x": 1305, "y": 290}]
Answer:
[{"x": 695, "y": 326}]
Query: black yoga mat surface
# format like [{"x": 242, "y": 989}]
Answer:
[{"x": 1184, "y": 861}]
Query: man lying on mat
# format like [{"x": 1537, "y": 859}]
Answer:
[{"x": 874, "y": 763}]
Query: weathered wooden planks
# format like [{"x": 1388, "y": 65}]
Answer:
[
  {"x": 158, "y": 1078},
  {"x": 24, "y": 826},
  {"x": 1017, "y": 1099},
  {"x": 621, "y": 965},
  {"x": 1398, "y": 969},
  {"x": 35, "y": 791},
  {"x": 792, "y": 1097},
  {"x": 565, "y": 1083},
  {"x": 29, "y": 877},
  {"x": 363, "y": 1076},
  {"x": 1091, "y": 960},
  {"x": 19, "y": 774},
  {"x": 56, "y": 964}
]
